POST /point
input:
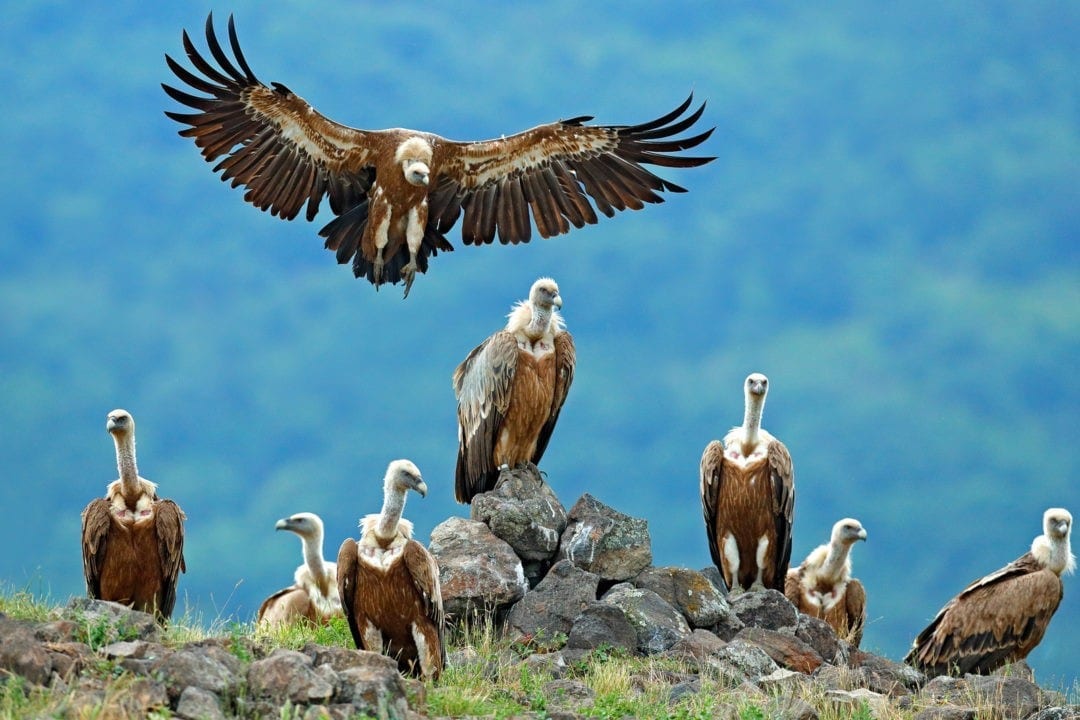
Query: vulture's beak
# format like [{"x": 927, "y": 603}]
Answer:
[
  {"x": 421, "y": 487},
  {"x": 862, "y": 534},
  {"x": 282, "y": 524},
  {"x": 557, "y": 301}
]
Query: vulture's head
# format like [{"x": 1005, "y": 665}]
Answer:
[
  {"x": 304, "y": 524},
  {"x": 119, "y": 422},
  {"x": 545, "y": 294},
  {"x": 848, "y": 531},
  {"x": 1057, "y": 522},
  {"x": 402, "y": 476},
  {"x": 414, "y": 156},
  {"x": 757, "y": 385}
]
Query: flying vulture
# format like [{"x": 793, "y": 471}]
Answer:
[
  {"x": 510, "y": 390},
  {"x": 132, "y": 541},
  {"x": 823, "y": 587},
  {"x": 389, "y": 583},
  {"x": 1000, "y": 618},
  {"x": 748, "y": 499},
  {"x": 396, "y": 193},
  {"x": 314, "y": 593}
]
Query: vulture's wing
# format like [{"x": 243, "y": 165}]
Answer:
[
  {"x": 783, "y": 484},
  {"x": 565, "y": 361},
  {"x": 425, "y": 576},
  {"x": 482, "y": 385},
  {"x": 169, "y": 523},
  {"x": 346, "y": 580},
  {"x": 96, "y": 520},
  {"x": 284, "y": 152},
  {"x": 712, "y": 462},
  {"x": 855, "y": 602},
  {"x": 552, "y": 171}
]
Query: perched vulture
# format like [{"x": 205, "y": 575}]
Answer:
[
  {"x": 1000, "y": 618},
  {"x": 314, "y": 593},
  {"x": 132, "y": 541},
  {"x": 823, "y": 587},
  {"x": 748, "y": 499},
  {"x": 396, "y": 193},
  {"x": 510, "y": 390},
  {"x": 389, "y": 583}
]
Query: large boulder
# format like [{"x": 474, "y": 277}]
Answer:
[
  {"x": 658, "y": 625},
  {"x": 550, "y": 608},
  {"x": 600, "y": 625},
  {"x": 604, "y": 541},
  {"x": 767, "y": 609},
  {"x": 478, "y": 571},
  {"x": 524, "y": 511},
  {"x": 700, "y": 602}
]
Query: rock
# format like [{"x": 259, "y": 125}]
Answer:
[
  {"x": 22, "y": 653},
  {"x": 786, "y": 707},
  {"x": 658, "y": 625},
  {"x": 767, "y": 609},
  {"x": 604, "y": 541},
  {"x": 198, "y": 704},
  {"x": 1058, "y": 713},
  {"x": 696, "y": 646},
  {"x": 68, "y": 658},
  {"x": 567, "y": 695},
  {"x": 819, "y": 635},
  {"x": 552, "y": 664},
  {"x": 549, "y": 609},
  {"x": 885, "y": 676},
  {"x": 848, "y": 702},
  {"x": 947, "y": 712},
  {"x": 524, "y": 511},
  {"x": 104, "y": 622},
  {"x": 204, "y": 666},
  {"x": 689, "y": 591},
  {"x": 373, "y": 687},
  {"x": 748, "y": 659},
  {"x": 601, "y": 624},
  {"x": 712, "y": 574},
  {"x": 289, "y": 675},
  {"x": 478, "y": 571},
  {"x": 782, "y": 681},
  {"x": 787, "y": 650},
  {"x": 1012, "y": 697}
]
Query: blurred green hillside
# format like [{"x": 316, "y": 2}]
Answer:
[{"x": 891, "y": 231}]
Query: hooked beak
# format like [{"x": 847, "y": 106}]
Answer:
[
  {"x": 421, "y": 488},
  {"x": 418, "y": 173},
  {"x": 862, "y": 534},
  {"x": 282, "y": 524},
  {"x": 557, "y": 301}
]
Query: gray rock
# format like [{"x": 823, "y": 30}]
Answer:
[
  {"x": 786, "y": 707},
  {"x": 551, "y": 664},
  {"x": 658, "y": 625},
  {"x": 767, "y": 609},
  {"x": 604, "y": 541},
  {"x": 947, "y": 712},
  {"x": 524, "y": 511},
  {"x": 68, "y": 658},
  {"x": 819, "y": 635},
  {"x": 198, "y": 704},
  {"x": 847, "y": 702},
  {"x": 289, "y": 675},
  {"x": 106, "y": 622},
  {"x": 200, "y": 666},
  {"x": 599, "y": 625},
  {"x": 1012, "y": 697},
  {"x": 374, "y": 687},
  {"x": 696, "y": 647},
  {"x": 567, "y": 695},
  {"x": 712, "y": 574},
  {"x": 683, "y": 689},
  {"x": 550, "y": 608},
  {"x": 882, "y": 675},
  {"x": 479, "y": 572},
  {"x": 22, "y": 653},
  {"x": 689, "y": 591},
  {"x": 1071, "y": 712},
  {"x": 748, "y": 659},
  {"x": 787, "y": 650}
]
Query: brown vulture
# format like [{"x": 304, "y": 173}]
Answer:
[
  {"x": 132, "y": 541},
  {"x": 396, "y": 193},
  {"x": 1000, "y": 618},
  {"x": 822, "y": 585},
  {"x": 389, "y": 583},
  {"x": 314, "y": 593},
  {"x": 510, "y": 390},
  {"x": 748, "y": 499}
]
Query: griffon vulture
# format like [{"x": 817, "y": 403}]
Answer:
[
  {"x": 748, "y": 499},
  {"x": 823, "y": 587},
  {"x": 314, "y": 593},
  {"x": 1000, "y": 618},
  {"x": 389, "y": 583},
  {"x": 510, "y": 390},
  {"x": 397, "y": 193},
  {"x": 132, "y": 541}
]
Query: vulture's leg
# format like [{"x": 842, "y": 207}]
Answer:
[{"x": 409, "y": 272}]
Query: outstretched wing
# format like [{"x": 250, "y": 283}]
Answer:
[
  {"x": 96, "y": 520},
  {"x": 997, "y": 619},
  {"x": 346, "y": 581},
  {"x": 712, "y": 462},
  {"x": 276, "y": 145},
  {"x": 551, "y": 171},
  {"x": 169, "y": 523},
  {"x": 782, "y": 478},
  {"x": 565, "y": 362},
  {"x": 482, "y": 385}
]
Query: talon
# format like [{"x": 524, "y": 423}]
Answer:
[
  {"x": 378, "y": 268},
  {"x": 409, "y": 273}
]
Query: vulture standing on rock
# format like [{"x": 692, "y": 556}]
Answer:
[
  {"x": 314, "y": 593},
  {"x": 1000, "y": 618},
  {"x": 823, "y": 587},
  {"x": 748, "y": 499},
  {"x": 132, "y": 541},
  {"x": 510, "y": 390},
  {"x": 389, "y": 583},
  {"x": 397, "y": 193}
]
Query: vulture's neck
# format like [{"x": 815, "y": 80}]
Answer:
[
  {"x": 125, "y": 462},
  {"x": 386, "y": 528},
  {"x": 752, "y": 423},
  {"x": 1054, "y": 554},
  {"x": 837, "y": 564},
  {"x": 313, "y": 557},
  {"x": 540, "y": 323}
]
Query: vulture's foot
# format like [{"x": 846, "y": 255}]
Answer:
[
  {"x": 409, "y": 273},
  {"x": 378, "y": 268}
]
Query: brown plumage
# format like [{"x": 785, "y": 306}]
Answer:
[
  {"x": 397, "y": 192},
  {"x": 389, "y": 583},
  {"x": 822, "y": 585},
  {"x": 1000, "y": 618},
  {"x": 510, "y": 391},
  {"x": 132, "y": 541},
  {"x": 748, "y": 500},
  {"x": 314, "y": 592}
]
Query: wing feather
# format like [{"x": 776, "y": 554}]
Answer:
[
  {"x": 346, "y": 580},
  {"x": 287, "y": 154},
  {"x": 565, "y": 362},
  {"x": 169, "y": 523},
  {"x": 96, "y": 521},
  {"x": 424, "y": 571},
  {"x": 712, "y": 462},
  {"x": 783, "y": 481},
  {"x": 482, "y": 385},
  {"x": 855, "y": 603}
]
